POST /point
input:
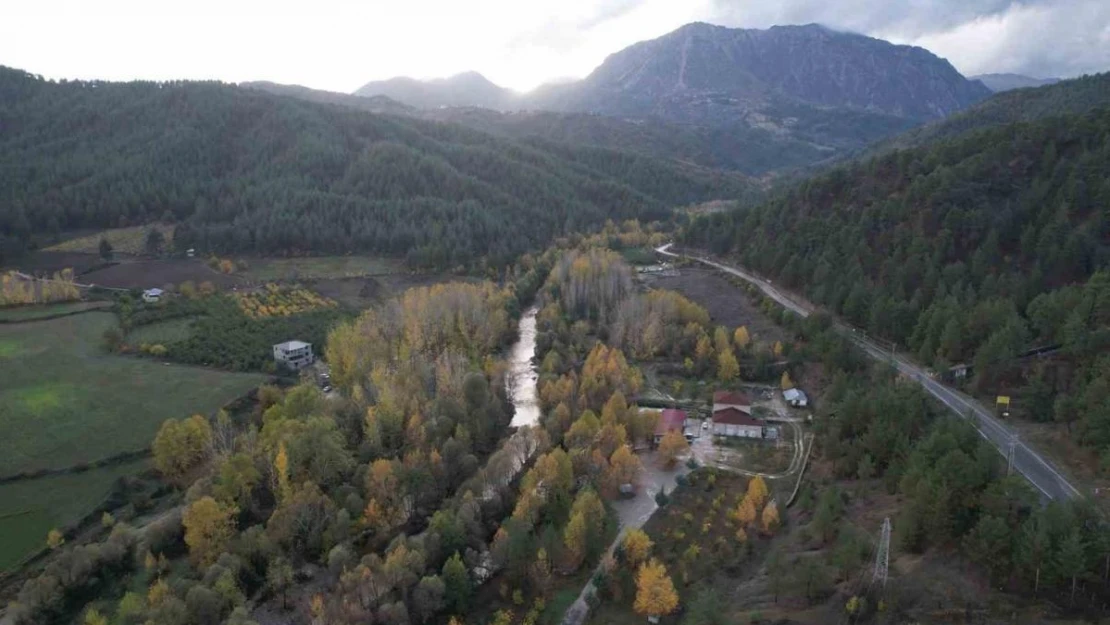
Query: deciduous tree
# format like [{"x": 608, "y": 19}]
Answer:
[
  {"x": 728, "y": 369},
  {"x": 208, "y": 528},
  {"x": 181, "y": 445},
  {"x": 672, "y": 446},
  {"x": 741, "y": 338},
  {"x": 637, "y": 546},
  {"x": 655, "y": 593}
]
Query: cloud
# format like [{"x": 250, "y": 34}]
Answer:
[
  {"x": 1036, "y": 37},
  {"x": 341, "y": 44},
  {"x": 1060, "y": 40}
]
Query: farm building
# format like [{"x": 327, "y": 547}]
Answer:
[
  {"x": 669, "y": 420},
  {"x": 795, "y": 397},
  {"x": 731, "y": 399},
  {"x": 735, "y": 422},
  {"x": 294, "y": 354},
  {"x": 152, "y": 296}
]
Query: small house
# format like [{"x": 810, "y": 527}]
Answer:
[
  {"x": 294, "y": 354},
  {"x": 795, "y": 397},
  {"x": 671, "y": 420},
  {"x": 731, "y": 399},
  {"x": 152, "y": 296},
  {"x": 737, "y": 423}
]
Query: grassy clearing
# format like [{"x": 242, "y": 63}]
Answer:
[
  {"x": 162, "y": 332},
  {"x": 65, "y": 401},
  {"x": 124, "y": 240},
  {"x": 321, "y": 267},
  {"x": 30, "y": 313},
  {"x": 31, "y": 508}
]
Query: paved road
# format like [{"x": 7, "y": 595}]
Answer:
[{"x": 1039, "y": 471}]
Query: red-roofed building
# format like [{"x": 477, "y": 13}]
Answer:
[
  {"x": 670, "y": 421},
  {"x": 731, "y": 399},
  {"x": 735, "y": 422}
]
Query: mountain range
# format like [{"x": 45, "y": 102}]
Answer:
[
  {"x": 466, "y": 89},
  {"x": 753, "y": 100},
  {"x": 1008, "y": 82},
  {"x": 701, "y": 73}
]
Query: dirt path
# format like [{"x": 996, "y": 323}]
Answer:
[{"x": 632, "y": 513}]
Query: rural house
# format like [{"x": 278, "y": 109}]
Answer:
[
  {"x": 731, "y": 399},
  {"x": 670, "y": 420},
  {"x": 795, "y": 397},
  {"x": 152, "y": 296},
  {"x": 294, "y": 354},
  {"x": 735, "y": 422}
]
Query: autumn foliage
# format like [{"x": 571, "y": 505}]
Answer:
[
  {"x": 655, "y": 593},
  {"x": 672, "y": 446}
]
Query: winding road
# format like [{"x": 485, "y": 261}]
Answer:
[{"x": 1026, "y": 461}]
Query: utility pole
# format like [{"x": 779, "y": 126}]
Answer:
[{"x": 882, "y": 555}]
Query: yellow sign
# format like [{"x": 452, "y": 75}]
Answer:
[{"x": 1003, "y": 400}]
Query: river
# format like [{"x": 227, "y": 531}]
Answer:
[{"x": 523, "y": 377}]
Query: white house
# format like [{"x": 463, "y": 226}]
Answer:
[
  {"x": 734, "y": 422},
  {"x": 795, "y": 397},
  {"x": 152, "y": 296},
  {"x": 294, "y": 354}
]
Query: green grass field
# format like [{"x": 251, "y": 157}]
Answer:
[
  {"x": 31, "y": 508},
  {"x": 161, "y": 332},
  {"x": 321, "y": 267},
  {"x": 126, "y": 240},
  {"x": 30, "y": 313},
  {"x": 63, "y": 400}
]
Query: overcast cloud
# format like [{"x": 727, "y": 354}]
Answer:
[{"x": 341, "y": 44}]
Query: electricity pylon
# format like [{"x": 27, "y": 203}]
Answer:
[{"x": 882, "y": 555}]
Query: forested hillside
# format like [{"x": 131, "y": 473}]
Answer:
[
  {"x": 248, "y": 171},
  {"x": 1075, "y": 96},
  {"x": 816, "y": 135},
  {"x": 972, "y": 249}
]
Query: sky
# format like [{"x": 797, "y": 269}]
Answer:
[{"x": 339, "y": 45}]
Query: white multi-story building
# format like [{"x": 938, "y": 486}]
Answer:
[{"x": 294, "y": 354}]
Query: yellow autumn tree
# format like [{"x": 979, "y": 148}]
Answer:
[
  {"x": 655, "y": 594},
  {"x": 671, "y": 447},
  {"x": 741, "y": 338},
  {"x": 158, "y": 593},
  {"x": 745, "y": 513},
  {"x": 586, "y": 527},
  {"x": 786, "y": 382},
  {"x": 181, "y": 445},
  {"x": 728, "y": 369},
  {"x": 94, "y": 617},
  {"x": 624, "y": 468},
  {"x": 209, "y": 526},
  {"x": 720, "y": 340},
  {"x": 55, "y": 539},
  {"x": 281, "y": 474},
  {"x": 770, "y": 519},
  {"x": 777, "y": 349},
  {"x": 574, "y": 537},
  {"x": 703, "y": 351},
  {"x": 637, "y": 546},
  {"x": 741, "y": 535},
  {"x": 757, "y": 492}
]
